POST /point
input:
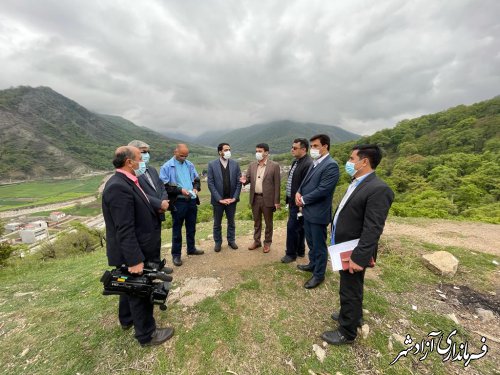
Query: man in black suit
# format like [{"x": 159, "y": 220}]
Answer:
[
  {"x": 315, "y": 197},
  {"x": 295, "y": 245},
  {"x": 132, "y": 238},
  {"x": 361, "y": 214},
  {"x": 150, "y": 181}
]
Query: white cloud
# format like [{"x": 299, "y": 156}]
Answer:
[{"x": 192, "y": 66}]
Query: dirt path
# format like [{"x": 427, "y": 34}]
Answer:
[
  {"x": 480, "y": 237},
  {"x": 226, "y": 267}
]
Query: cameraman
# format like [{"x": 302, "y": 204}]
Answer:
[{"x": 133, "y": 237}]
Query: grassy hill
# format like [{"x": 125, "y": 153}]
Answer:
[
  {"x": 278, "y": 134},
  {"x": 445, "y": 164},
  {"x": 54, "y": 320},
  {"x": 45, "y": 134}
]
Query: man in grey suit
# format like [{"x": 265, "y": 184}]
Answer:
[
  {"x": 315, "y": 197},
  {"x": 150, "y": 181},
  {"x": 225, "y": 186}
]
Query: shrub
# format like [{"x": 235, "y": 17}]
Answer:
[{"x": 5, "y": 252}]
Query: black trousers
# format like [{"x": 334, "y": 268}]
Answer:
[
  {"x": 351, "y": 302},
  {"x": 138, "y": 311},
  {"x": 230, "y": 211},
  {"x": 186, "y": 212},
  {"x": 295, "y": 244}
]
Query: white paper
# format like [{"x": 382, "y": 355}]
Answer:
[{"x": 335, "y": 250}]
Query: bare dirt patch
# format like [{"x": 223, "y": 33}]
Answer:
[{"x": 480, "y": 237}]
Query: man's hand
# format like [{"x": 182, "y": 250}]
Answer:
[
  {"x": 277, "y": 206},
  {"x": 138, "y": 268},
  {"x": 195, "y": 191},
  {"x": 353, "y": 267},
  {"x": 185, "y": 192},
  {"x": 164, "y": 206},
  {"x": 298, "y": 201},
  {"x": 243, "y": 180}
]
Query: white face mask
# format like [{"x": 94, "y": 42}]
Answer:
[
  {"x": 314, "y": 153},
  {"x": 259, "y": 156},
  {"x": 227, "y": 155}
]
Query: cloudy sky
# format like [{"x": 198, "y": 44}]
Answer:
[{"x": 194, "y": 65}]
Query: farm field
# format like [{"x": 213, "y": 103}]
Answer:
[{"x": 37, "y": 193}]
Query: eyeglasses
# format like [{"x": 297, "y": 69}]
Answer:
[{"x": 144, "y": 152}]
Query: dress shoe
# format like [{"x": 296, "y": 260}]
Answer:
[
  {"x": 217, "y": 248},
  {"x": 287, "y": 259},
  {"x": 233, "y": 245},
  {"x": 167, "y": 270},
  {"x": 159, "y": 336},
  {"x": 301, "y": 255},
  {"x": 177, "y": 261},
  {"x": 266, "y": 249},
  {"x": 313, "y": 282},
  {"x": 254, "y": 246},
  {"x": 196, "y": 252},
  {"x": 336, "y": 314},
  {"x": 335, "y": 338},
  {"x": 305, "y": 267},
  {"x": 126, "y": 327}
]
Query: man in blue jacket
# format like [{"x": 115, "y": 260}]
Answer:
[
  {"x": 182, "y": 184},
  {"x": 315, "y": 196},
  {"x": 225, "y": 186}
]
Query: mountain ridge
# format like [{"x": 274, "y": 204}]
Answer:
[
  {"x": 46, "y": 134},
  {"x": 278, "y": 134}
]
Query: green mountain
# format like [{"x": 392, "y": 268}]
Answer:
[
  {"x": 45, "y": 134},
  {"x": 445, "y": 164},
  {"x": 278, "y": 134}
]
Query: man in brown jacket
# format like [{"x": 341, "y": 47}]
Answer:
[{"x": 263, "y": 176}]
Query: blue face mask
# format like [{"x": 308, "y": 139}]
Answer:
[
  {"x": 141, "y": 170},
  {"x": 145, "y": 157},
  {"x": 349, "y": 168}
]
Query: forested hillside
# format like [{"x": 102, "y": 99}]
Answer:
[
  {"x": 277, "y": 134},
  {"x": 443, "y": 165},
  {"x": 45, "y": 134}
]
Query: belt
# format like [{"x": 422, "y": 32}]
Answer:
[{"x": 259, "y": 194}]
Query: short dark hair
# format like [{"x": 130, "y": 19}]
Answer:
[
  {"x": 303, "y": 143},
  {"x": 323, "y": 139},
  {"x": 221, "y": 145},
  {"x": 121, "y": 155},
  {"x": 370, "y": 151},
  {"x": 265, "y": 146}
]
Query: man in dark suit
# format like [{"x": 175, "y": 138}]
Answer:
[
  {"x": 264, "y": 178},
  {"x": 225, "y": 186},
  {"x": 315, "y": 197},
  {"x": 361, "y": 214},
  {"x": 132, "y": 238},
  {"x": 150, "y": 181},
  {"x": 295, "y": 245}
]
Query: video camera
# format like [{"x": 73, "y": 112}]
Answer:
[{"x": 153, "y": 284}]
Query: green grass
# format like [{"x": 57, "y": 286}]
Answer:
[
  {"x": 54, "y": 320},
  {"x": 30, "y": 194}
]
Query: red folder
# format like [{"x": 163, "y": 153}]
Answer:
[{"x": 347, "y": 254}]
